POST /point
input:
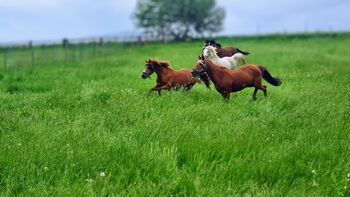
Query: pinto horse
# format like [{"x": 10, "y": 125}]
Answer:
[
  {"x": 167, "y": 77},
  {"x": 223, "y": 52},
  {"x": 227, "y": 81}
]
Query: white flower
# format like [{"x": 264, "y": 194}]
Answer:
[
  {"x": 313, "y": 171},
  {"x": 46, "y": 168},
  {"x": 89, "y": 180},
  {"x": 102, "y": 174}
]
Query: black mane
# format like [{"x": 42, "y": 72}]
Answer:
[{"x": 212, "y": 43}]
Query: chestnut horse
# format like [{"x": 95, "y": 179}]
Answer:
[
  {"x": 167, "y": 77},
  {"x": 227, "y": 81},
  {"x": 223, "y": 52}
]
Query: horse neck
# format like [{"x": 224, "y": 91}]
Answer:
[
  {"x": 161, "y": 71},
  {"x": 214, "y": 55},
  {"x": 213, "y": 72}
]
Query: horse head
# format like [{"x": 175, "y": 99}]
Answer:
[
  {"x": 148, "y": 70},
  {"x": 200, "y": 70},
  {"x": 209, "y": 51},
  {"x": 152, "y": 65}
]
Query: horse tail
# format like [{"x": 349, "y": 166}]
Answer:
[
  {"x": 243, "y": 52},
  {"x": 268, "y": 77}
]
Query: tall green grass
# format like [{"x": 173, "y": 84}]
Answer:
[{"x": 87, "y": 128}]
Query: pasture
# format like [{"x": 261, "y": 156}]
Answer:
[{"x": 87, "y": 128}]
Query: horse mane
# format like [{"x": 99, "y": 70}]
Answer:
[
  {"x": 211, "y": 43},
  {"x": 211, "y": 49},
  {"x": 166, "y": 64}
]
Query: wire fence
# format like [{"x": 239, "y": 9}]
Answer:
[
  {"x": 32, "y": 54},
  {"x": 14, "y": 56}
]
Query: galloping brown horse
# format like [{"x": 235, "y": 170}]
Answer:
[
  {"x": 167, "y": 77},
  {"x": 227, "y": 81},
  {"x": 224, "y": 52}
]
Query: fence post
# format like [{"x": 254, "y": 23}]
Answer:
[
  {"x": 94, "y": 48},
  {"x": 101, "y": 46},
  {"x": 30, "y": 46},
  {"x": 80, "y": 51},
  {"x": 65, "y": 43},
  {"x": 72, "y": 52},
  {"x": 14, "y": 60},
  {"x": 53, "y": 59},
  {"x": 5, "y": 58}
]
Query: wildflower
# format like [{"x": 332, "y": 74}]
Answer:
[
  {"x": 102, "y": 174},
  {"x": 89, "y": 180},
  {"x": 313, "y": 171},
  {"x": 46, "y": 168}
]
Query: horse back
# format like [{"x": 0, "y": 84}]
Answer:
[
  {"x": 226, "y": 52},
  {"x": 245, "y": 76},
  {"x": 252, "y": 69}
]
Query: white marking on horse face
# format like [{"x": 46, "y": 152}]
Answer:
[
  {"x": 211, "y": 51},
  {"x": 200, "y": 62},
  {"x": 206, "y": 52}
]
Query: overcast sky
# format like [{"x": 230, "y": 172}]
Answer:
[{"x": 22, "y": 20}]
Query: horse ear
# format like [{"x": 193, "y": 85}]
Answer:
[{"x": 202, "y": 57}]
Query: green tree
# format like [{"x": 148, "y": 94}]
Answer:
[{"x": 179, "y": 19}]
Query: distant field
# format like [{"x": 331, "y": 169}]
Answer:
[{"x": 87, "y": 128}]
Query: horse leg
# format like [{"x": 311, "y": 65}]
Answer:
[
  {"x": 254, "y": 93},
  {"x": 189, "y": 87},
  {"x": 226, "y": 95},
  {"x": 259, "y": 85},
  {"x": 152, "y": 89},
  {"x": 263, "y": 88},
  {"x": 164, "y": 87}
]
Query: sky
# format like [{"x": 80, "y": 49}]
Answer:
[{"x": 39, "y": 20}]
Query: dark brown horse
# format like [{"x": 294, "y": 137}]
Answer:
[
  {"x": 167, "y": 77},
  {"x": 223, "y": 52},
  {"x": 227, "y": 81}
]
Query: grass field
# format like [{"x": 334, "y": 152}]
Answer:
[{"x": 87, "y": 128}]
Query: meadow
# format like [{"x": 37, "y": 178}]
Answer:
[{"x": 87, "y": 128}]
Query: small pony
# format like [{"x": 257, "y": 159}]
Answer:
[
  {"x": 227, "y": 81},
  {"x": 223, "y": 52},
  {"x": 227, "y": 62},
  {"x": 167, "y": 77}
]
